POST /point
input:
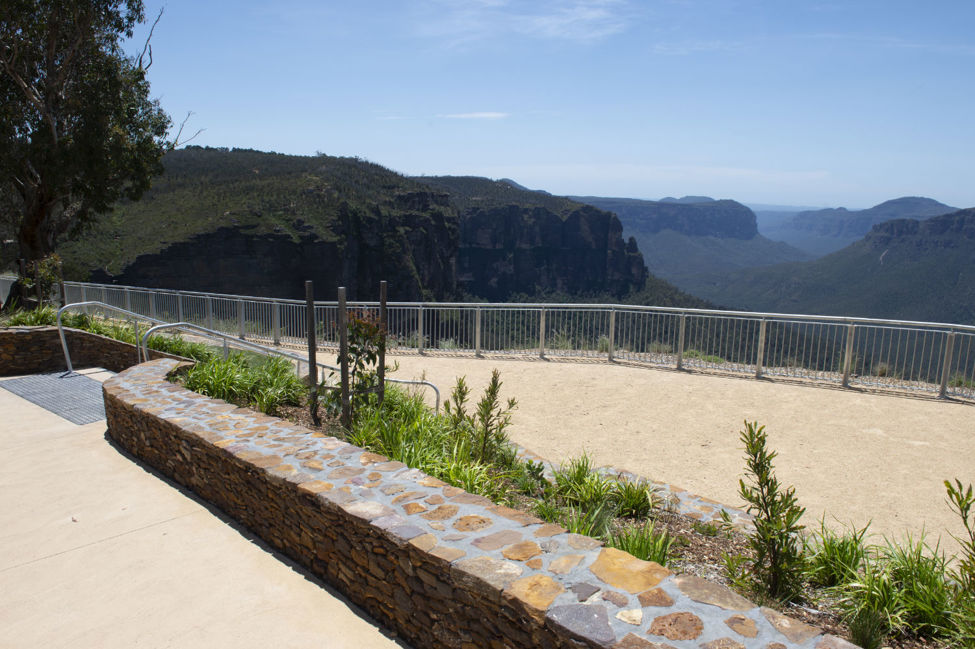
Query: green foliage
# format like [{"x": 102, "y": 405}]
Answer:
[
  {"x": 267, "y": 385},
  {"x": 705, "y": 529},
  {"x": 633, "y": 499},
  {"x": 777, "y": 565},
  {"x": 835, "y": 559},
  {"x": 961, "y": 500},
  {"x": 592, "y": 522},
  {"x": 77, "y": 128},
  {"x": 578, "y": 484},
  {"x": 643, "y": 542},
  {"x": 485, "y": 427}
]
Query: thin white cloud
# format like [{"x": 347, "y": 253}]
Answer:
[
  {"x": 683, "y": 48},
  {"x": 459, "y": 22},
  {"x": 476, "y": 115}
]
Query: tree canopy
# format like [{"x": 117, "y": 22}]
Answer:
[{"x": 78, "y": 130}]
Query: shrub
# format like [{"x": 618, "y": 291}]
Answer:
[
  {"x": 835, "y": 559},
  {"x": 776, "y": 570},
  {"x": 961, "y": 500},
  {"x": 643, "y": 542},
  {"x": 633, "y": 499},
  {"x": 588, "y": 522}
]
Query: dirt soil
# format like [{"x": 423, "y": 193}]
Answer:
[{"x": 859, "y": 457}]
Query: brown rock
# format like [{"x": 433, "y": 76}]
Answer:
[
  {"x": 511, "y": 514},
  {"x": 677, "y": 626},
  {"x": 619, "y": 599},
  {"x": 707, "y": 592},
  {"x": 497, "y": 540},
  {"x": 472, "y": 523},
  {"x": 409, "y": 495},
  {"x": 794, "y": 630},
  {"x": 723, "y": 643},
  {"x": 424, "y": 542},
  {"x": 315, "y": 486},
  {"x": 742, "y": 625},
  {"x": 414, "y": 508},
  {"x": 432, "y": 482},
  {"x": 549, "y": 529},
  {"x": 368, "y": 458},
  {"x": 375, "y": 475},
  {"x": 633, "y": 641},
  {"x": 534, "y": 564},
  {"x": 622, "y": 570},
  {"x": 580, "y": 542},
  {"x": 564, "y": 564},
  {"x": 522, "y": 551},
  {"x": 346, "y": 472},
  {"x": 314, "y": 465},
  {"x": 450, "y": 491},
  {"x": 391, "y": 489},
  {"x": 435, "y": 499},
  {"x": 655, "y": 597},
  {"x": 437, "y": 525},
  {"x": 447, "y": 553},
  {"x": 385, "y": 467},
  {"x": 472, "y": 499},
  {"x": 536, "y": 592},
  {"x": 775, "y": 645},
  {"x": 442, "y": 513}
]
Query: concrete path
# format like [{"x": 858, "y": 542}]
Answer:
[{"x": 95, "y": 551}]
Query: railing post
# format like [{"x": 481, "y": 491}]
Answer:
[
  {"x": 946, "y": 369},
  {"x": 179, "y": 307},
  {"x": 276, "y": 322},
  {"x": 344, "y": 359},
  {"x": 419, "y": 330},
  {"x": 381, "y": 368},
  {"x": 84, "y": 293},
  {"x": 541, "y": 333},
  {"x": 760, "y": 352},
  {"x": 612, "y": 334},
  {"x": 128, "y": 300},
  {"x": 209, "y": 310},
  {"x": 477, "y": 331},
  {"x": 312, "y": 349},
  {"x": 152, "y": 304},
  {"x": 848, "y": 354},
  {"x": 680, "y": 341},
  {"x": 138, "y": 347},
  {"x": 240, "y": 318}
]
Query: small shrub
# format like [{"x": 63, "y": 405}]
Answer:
[
  {"x": 548, "y": 511},
  {"x": 633, "y": 499},
  {"x": 579, "y": 485},
  {"x": 602, "y": 345},
  {"x": 835, "y": 559},
  {"x": 643, "y": 542},
  {"x": 592, "y": 522},
  {"x": 778, "y": 561},
  {"x": 705, "y": 529},
  {"x": 448, "y": 344},
  {"x": 961, "y": 501}
]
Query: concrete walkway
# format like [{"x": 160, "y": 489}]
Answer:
[{"x": 95, "y": 551}]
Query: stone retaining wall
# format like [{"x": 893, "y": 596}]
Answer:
[
  {"x": 30, "y": 350},
  {"x": 442, "y": 567}
]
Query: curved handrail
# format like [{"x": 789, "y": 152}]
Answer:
[
  {"x": 64, "y": 342},
  {"x": 269, "y": 351}
]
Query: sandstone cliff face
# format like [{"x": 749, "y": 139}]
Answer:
[
  {"x": 414, "y": 251},
  {"x": 513, "y": 249}
]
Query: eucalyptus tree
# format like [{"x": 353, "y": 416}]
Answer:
[{"x": 78, "y": 129}]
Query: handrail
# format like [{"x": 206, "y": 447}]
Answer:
[
  {"x": 64, "y": 342},
  {"x": 558, "y": 305},
  {"x": 269, "y": 351}
]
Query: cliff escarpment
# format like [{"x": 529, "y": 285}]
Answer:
[
  {"x": 255, "y": 223},
  {"x": 515, "y": 241},
  {"x": 531, "y": 250}
]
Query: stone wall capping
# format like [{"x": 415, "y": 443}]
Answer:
[{"x": 444, "y": 568}]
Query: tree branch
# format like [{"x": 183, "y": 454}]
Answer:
[
  {"x": 148, "y": 46},
  {"x": 182, "y": 125}
]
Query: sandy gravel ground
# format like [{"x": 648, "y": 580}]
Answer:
[{"x": 859, "y": 457}]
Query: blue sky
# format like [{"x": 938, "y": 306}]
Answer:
[{"x": 765, "y": 101}]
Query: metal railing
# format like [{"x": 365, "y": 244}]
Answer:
[{"x": 924, "y": 357}]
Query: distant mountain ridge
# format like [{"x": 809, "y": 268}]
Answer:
[
  {"x": 903, "y": 269},
  {"x": 683, "y": 238},
  {"x": 827, "y": 230}
]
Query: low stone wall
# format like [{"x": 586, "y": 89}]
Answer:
[
  {"x": 442, "y": 567},
  {"x": 30, "y": 350}
]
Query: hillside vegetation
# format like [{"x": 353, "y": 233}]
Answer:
[
  {"x": 683, "y": 238},
  {"x": 903, "y": 269},
  {"x": 820, "y": 232}
]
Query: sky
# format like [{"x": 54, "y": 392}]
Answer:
[{"x": 799, "y": 102}]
